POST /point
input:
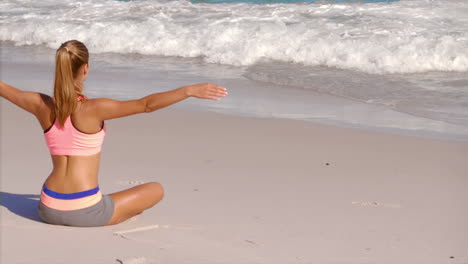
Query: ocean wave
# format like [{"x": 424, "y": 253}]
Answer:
[{"x": 399, "y": 37}]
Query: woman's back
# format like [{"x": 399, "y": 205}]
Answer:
[{"x": 76, "y": 171}]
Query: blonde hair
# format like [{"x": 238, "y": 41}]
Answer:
[{"x": 70, "y": 56}]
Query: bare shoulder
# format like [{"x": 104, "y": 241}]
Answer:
[
  {"x": 46, "y": 100},
  {"x": 97, "y": 104},
  {"x": 45, "y": 110},
  {"x": 32, "y": 102},
  {"x": 106, "y": 108},
  {"x": 44, "y": 104}
]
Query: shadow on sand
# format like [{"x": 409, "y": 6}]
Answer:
[{"x": 24, "y": 205}]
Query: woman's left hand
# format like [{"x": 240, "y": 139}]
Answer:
[{"x": 206, "y": 91}]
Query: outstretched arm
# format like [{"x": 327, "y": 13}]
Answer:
[
  {"x": 106, "y": 109},
  {"x": 29, "y": 101}
]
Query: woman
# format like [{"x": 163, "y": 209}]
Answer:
[{"x": 74, "y": 130}]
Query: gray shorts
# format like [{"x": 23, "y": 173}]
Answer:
[{"x": 95, "y": 215}]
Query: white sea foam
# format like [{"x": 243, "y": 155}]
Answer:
[{"x": 400, "y": 37}]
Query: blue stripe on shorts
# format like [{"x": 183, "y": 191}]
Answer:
[{"x": 70, "y": 196}]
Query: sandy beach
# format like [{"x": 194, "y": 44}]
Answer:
[
  {"x": 343, "y": 140},
  {"x": 246, "y": 190}
]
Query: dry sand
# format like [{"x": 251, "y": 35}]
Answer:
[{"x": 245, "y": 190}]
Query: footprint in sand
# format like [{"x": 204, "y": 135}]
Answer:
[
  {"x": 135, "y": 182},
  {"x": 137, "y": 260},
  {"x": 375, "y": 204},
  {"x": 125, "y": 233}
]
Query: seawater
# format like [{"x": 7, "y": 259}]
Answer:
[
  {"x": 287, "y": 1},
  {"x": 407, "y": 58}
]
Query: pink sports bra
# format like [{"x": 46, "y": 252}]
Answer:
[{"x": 68, "y": 140}]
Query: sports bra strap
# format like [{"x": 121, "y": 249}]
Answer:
[{"x": 82, "y": 98}]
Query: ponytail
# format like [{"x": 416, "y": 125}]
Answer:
[{"x": 69, "y": 58}]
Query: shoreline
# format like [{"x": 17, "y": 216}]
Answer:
[{"x": 119, "y": 79}]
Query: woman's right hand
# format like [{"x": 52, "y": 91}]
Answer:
[{"x": 206, "y": 91}]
